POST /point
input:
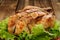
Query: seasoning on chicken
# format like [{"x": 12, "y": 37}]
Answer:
[
  {"x": 11, "y": 23},
  {"x": 27, "y": 18},
  {"x": 47, "y": 20}
]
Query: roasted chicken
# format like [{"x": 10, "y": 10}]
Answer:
[{"x": 26, "y": 19}]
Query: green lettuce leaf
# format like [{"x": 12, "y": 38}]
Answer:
[
  {"x": 39, "y": 33},
  {"x": 4, "y": 34},
  {"x": 56, "y": 29}
]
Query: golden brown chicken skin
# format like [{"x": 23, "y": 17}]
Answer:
[
  {"x": 26, "y": 19},
  {"x": 47, "y": 20}
]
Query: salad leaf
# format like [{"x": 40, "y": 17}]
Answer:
[
  {"x": 3, "y": 24},
  {"x": 57, "y": 25},
  {"x": 39, "y": 33},
  {"x": 22, "y": 35},
  {"x": 42, "y": 38},
  {"x": 56, "y": 29},
  {"x": 38, "y": 29},
  {"x": 4, "y": 34}
]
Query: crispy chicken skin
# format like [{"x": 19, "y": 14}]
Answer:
[
  {"x": 11, "y": 23},
  {"x": 47, "y": 20},
  {"x": 27, "y": 18}
]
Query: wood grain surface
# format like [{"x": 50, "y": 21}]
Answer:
[{"x": 8, "y": 7}]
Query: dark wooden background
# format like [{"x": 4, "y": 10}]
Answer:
[{"x": 8, "y": 7}]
